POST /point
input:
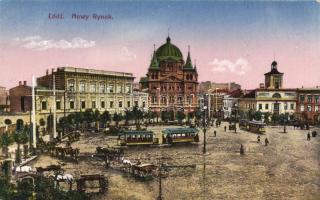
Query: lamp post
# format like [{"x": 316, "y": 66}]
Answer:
[
  {"x": 204, "y": 130},
  {"x": 284, "y": 121}
]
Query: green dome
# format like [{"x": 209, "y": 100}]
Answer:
[{"x": 169, "y": 50}]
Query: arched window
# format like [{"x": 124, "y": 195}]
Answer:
[
  {"x": 71, "y": 85},
  {"x": 276, "y": 95}
]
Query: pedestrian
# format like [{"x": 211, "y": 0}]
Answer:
[
  {"x": 235, "y": 128},
  {"x": 225, "y": 128},
  {"x": 308, "y": 136},
  {"x": 266, "y": 141},
  {"x": 241, "y": 150},
  {"x": 258, "y": 138},
  {"x": 215, "y": 133}
]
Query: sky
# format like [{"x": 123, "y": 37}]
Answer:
[{"x": 229, "y": 41}]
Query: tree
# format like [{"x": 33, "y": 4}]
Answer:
[
  {"x": 20, "y": 137},
  {"x": 78, "y": 118},
  {"x": 190, "y": 116},
  {"x": 117, "y": 118},
  {"x": 96, "y": 118},
  {"x": 88, "y": 116},
  {"x": 105, "y": 118},
  {"x": 50, "y": 123},
  {"x": 19, "y": 125},
  {"x": 165, "y": 116},
  {"x": 267, "y": 117},
  {"x": 180, "y": 116},
  {"x": 128, "y": 115},
  {"x": 257, "y": 116},
  {"x": 138, "y": 116},
  {"x": 5, "y": 142}
]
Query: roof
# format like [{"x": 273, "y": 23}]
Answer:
[
  {"x": 180, "y": 130},
  {"x": 169, "y": 51},
  {"x": 94, "y": 71},
  {"x": 136, "y": 132},
  {"x": 251, "y": 94},
  {"x": 235, "y": 93},
  {"x": 274, "y": 69}
]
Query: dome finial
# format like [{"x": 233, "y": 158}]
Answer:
[{"x": 154, "y": 47}]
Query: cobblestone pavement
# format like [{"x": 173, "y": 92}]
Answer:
[{"x": 289, "y": 168}]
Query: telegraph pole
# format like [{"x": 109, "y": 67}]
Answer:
[
  {"x": 54, "y": 107},
  {"x": 204, "y": 130},
  {"x": 34, "y": 135}
]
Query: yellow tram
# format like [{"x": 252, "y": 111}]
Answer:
[
  {"x": 252, "y": 126},
  {"x": 136, "y": 138},
  {"x": 179, "y": 135}
]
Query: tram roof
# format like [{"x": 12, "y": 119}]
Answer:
[
  {"x": 179, "y": 130},
  {"x": 136, "y": 132},
  {"x": 257, "y": 122}
]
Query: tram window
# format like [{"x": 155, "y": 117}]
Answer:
[{"x": 183, "y": 135}]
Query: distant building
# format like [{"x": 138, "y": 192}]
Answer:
[
  {"x": 171, "y": 82},
  {"x": 20, "y": 98},
  {"x": 231, "y": 104},
  {"x": 204, "y": 87},
  {"x": 308, "y": 103},
  {"x": 247, "y": 101},
  {"x": 4, "y": 100}
]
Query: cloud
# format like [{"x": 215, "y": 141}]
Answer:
[
  {"x": 240, "y": 66},
  {"x": 37, "y": 43},
  {"x": 126, "y": 54}
]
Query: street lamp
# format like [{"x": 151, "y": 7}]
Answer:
[
  {"x": 204, "y": 129},
  {"x": 285, "y": 113}
]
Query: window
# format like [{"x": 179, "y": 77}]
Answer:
[
  {"x": 111, "y": 104},
  {"x": 309, "y": 99},
  {"x": 316, "y": 99},
  {"x": 163, "y": 100},
  {"x": 93, "y": 104},
  {"x": 144, "y": 104},
  {"x": 128, "y": 88},
  {"x": 102, "y": 88},
  {"x": 71, "y": 85},
  {"x": 301, "y": 108},
  {"x": 266, "y": 106},
  {"x": 179, "y": 99},
  {"x": 119, "y": 88},
  {"x": 301, "y": 98},
  {"x": 276, "y": 95},
  {"x": 136, "y": 103},
  {"x": 154, "y": 99},
  {"x": 58, "y": 105},
  {"x": 128, "y": 104},
  {"x": 309, "y": 108},
  {"x": 111, "y": 88},
  {"x": 71, "y": 104},
  {"x": 82, "y": 86},
  {"x": 102, "y": 104},
  {"x": 292, "y": 106},
  {"x": 171, "y": 100},
  {"x": 120, "y": 104},
  {"x": 43, "y": 105},
  {"x": 83, "y": 104},
  {"x": 316, "y": 108},
  {"x": 260, "y": 106},
  {"x": 92, "y": 87},
  {"x": 285, "y": 106}
]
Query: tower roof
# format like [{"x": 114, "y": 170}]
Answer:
[
  {"x": 274, "y": 69},
  {"x": 188, "y": 64},
  {"x": 169, "y": 51}
]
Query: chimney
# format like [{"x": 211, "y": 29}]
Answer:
[
  {"x": 24, "y": 83},
  {"x": 47, "y": 72},
  {"x": 261, "y": 85},
  {"x": 20, "y": 83}
]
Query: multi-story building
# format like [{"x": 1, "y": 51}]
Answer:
[
  {"x": 247, "y": 101},
  {"x": 78, "y": 89},
  {"x": 273, "y": 97},
  {"x": 230, "y": 103},
  {"x": 204, "y": 87},
  {"x": 20, "y": 98},
  {"x": 308, "y": 103},
  {"x": 171, "y": 82},
  {"x": 4, "y": 100}
]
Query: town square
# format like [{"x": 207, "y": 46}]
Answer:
[{"x": 191, "y": 109}]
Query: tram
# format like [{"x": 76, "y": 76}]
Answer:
[
  {"x": 137, "y": 138},
  {"x": 179, "y": 135},
  {"x": 252, "y": 126}
]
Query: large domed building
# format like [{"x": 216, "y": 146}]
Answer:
[{"x": 172, "y": 82}]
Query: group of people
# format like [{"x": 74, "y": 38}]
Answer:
[{"x": 266, "y": 141}]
